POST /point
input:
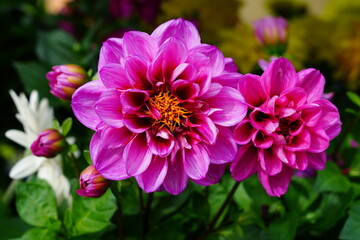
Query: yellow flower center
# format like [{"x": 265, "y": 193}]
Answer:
[{"x": 170, "y": 110}]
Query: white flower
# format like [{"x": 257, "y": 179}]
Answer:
[{"x": 35, "y": 117}]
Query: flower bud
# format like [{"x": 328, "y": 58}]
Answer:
[
  {"x": 92, "y": 183},
  {"x": 48, "y": 144},
  {"x": 271, "y": 32},
  {"x": 65, "y": 79}
]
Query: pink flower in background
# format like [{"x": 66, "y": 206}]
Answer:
[
  {"x": 160, "y": 109},
  {"x": 288, "y": 127},
  {"x": 270, "y": 31},
  {"x": 92, "y": 184},
  {"x": 65, "y": 79},
  {"x": 48, "y": 144}
]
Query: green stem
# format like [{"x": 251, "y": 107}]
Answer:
[
  {"x": 217, "y": 216},
  {"x": 146, "y": 215},
  {"x": 9, "y": 193},
  {"x": 141, "y": 200},
  {"x": 76, "y": 165}
]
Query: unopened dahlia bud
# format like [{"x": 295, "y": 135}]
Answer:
[
  {"x": 92, "y": 183},
  {"x": 65, "y": 79},
  {"x": 271, "y": 32},
  {"x": 48, "y": 144}
]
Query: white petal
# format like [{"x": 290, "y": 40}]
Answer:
[
  {"x": 51, "y": 172},
  {"x": 19, "y": 137},
  {"x": 26, "y": 166}
]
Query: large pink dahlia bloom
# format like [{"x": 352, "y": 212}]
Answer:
[
  {"x": 288, "y": 125},
  {"x": 161, "y": 108}
]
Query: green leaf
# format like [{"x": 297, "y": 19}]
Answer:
[
  {"x": 288, "y": 222},
  {"x": 12, "y": 227},
  {"x": 90, "y": 215},
  {"x": 354, "y": 98},
  {"x": 56, "y": 48},
  {"x": 351, "y": 229},
  {"x": 56, "y": 124},
  {"x": 39, "y": 233},
  {"x": 32, "y": 75},
  {"x": 36, "y": 203},
  {"x": 331, "y": 179},
  {"x": 66, "y": 126},
  {"x": 87, "y": 157}
]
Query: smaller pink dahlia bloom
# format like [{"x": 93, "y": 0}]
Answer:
[
  {"x": 92, "y": 184},
  {"x": 161, "y": 108},
  {"x": 65, "y": 79},
  {"x": 288, "y": 125}
]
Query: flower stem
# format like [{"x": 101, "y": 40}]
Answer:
[
  {"x": 141, "y": 200},
  {"x": 146, "y": 215},
  {"x": 9, "y": 193},
  {"x": 76, "y": 165},
  {"x": 221, "y": 210}
]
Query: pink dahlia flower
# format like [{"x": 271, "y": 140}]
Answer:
[
  {"x": 288, "y": 125},
  {"x": 161, "y": 108}
]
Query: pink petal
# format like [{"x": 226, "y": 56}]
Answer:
[
  {"x": 296, "y": 95},
  {"x": 330, "y": 118},
  {"x": 243, "y": 132},
  {"x": 185, "y": 90},
  {"x": 161, "y": 143},
  {"x": 230, "y": 65},
  {"x": 280, "y": 75},
  {"x": 310, "y": 114},
  {"x": 176, "y": 179},
  {"x": 109, "y": 162},
  {"x": 133, "y": 99},
  {"x": 136, "y": 70},
  {"x": 250, "y": 87},
  {"x": 233, "y": 110},
  {"x": 152, "y": 178},
  {"x": 301, "y": 160},
  {"x": 319, "y": 141},
  {"x": 83, "y": 103},
  {"x": 313, "y": 82},
  {"x": 262, "y": 140},
  {"x": 203, "y": 126},
  {"x": 140, "y": 44},
  {"x": 114, "y": 76},
  {"x": 109, "y": 109},
  {"x": 185, "y": 71},
  {"x": 300, "y": 142},
  {"x": 269, "y": 162},
  {"x": 217, "y": 60},
  {"x": 228, "y": 79},
  {"x": 245, "y": 163},
  {"x": 171, "y": 54},
  {"x": 137, "y": 124},
  {"x": 137, "y": 155},
  {"x": 214, "y": 89},
  {"x": 196, "y": 162},
  {"x": 116, "y": 137},
  {"x": 276, "y": 185},
  {"x": 224, "y": 149},
  {"x": 213, "y": 175},
  {"x": 316, "y": 161},
  {"x": 179, "y": 28},
  {"x": 111, "y": 52},
  {"x": 203, "y": 70}
]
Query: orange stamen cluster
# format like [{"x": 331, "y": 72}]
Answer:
[{"x": 170, "y": 110}]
